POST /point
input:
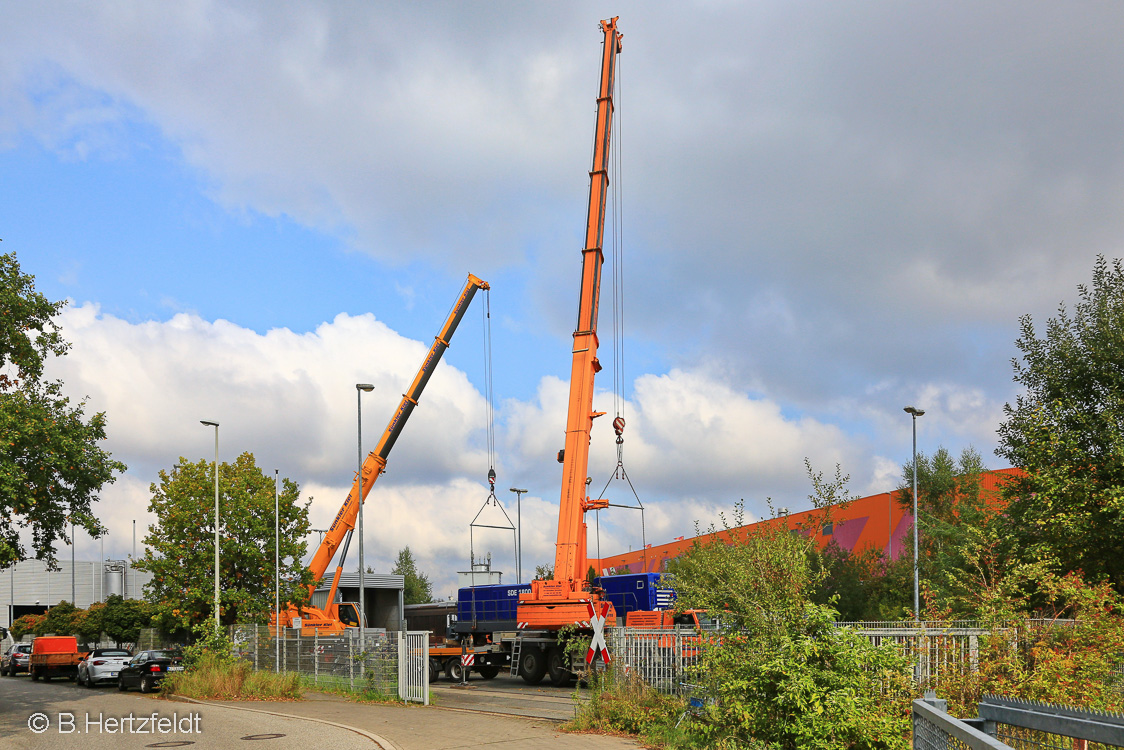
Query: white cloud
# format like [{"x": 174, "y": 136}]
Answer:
[{"x": 694, "y": 445}]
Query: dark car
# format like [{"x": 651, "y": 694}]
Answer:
[
  {"x": 15, "y": 659},
  {"x": 148, "y": 669}
]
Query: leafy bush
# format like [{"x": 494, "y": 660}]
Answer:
[
  {"x": 806, "y": 684},
  {"x": 27, "y": 624}
]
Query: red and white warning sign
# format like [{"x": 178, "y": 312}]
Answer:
[
  {"x": 467, "y": 660},
  {"x": 597, "y": 622}
]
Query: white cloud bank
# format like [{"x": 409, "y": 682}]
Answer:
[{"x": 694, "y": 445}]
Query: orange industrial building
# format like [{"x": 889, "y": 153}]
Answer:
[{"x": 877, "y": 521}]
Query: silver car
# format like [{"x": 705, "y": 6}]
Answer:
[{"x": 102, "y": 665}]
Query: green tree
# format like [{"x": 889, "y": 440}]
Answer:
[
  {"x": 418, "y": 589},
  {"x": 953, "y": 511},
  {"x": 60, "y": 619},
  {"x": 51, "y": 467},
  {"x": 87, "y": 623},
  {"x": 181, "y": 544},
  {"x": 1066, "y": 431},
  {"x": 544, "y": 572},
  {"x": 122, "y": 619}
]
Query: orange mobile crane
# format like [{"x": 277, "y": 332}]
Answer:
[
  {"x": 551, "y": 605},
  {"x": 335, "y": 617}
]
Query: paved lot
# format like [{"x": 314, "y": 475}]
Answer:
[
  {"x": 319, "y": 721},
  {"x": 68, "y": 716},
  {"x": 506, "y": 695}
]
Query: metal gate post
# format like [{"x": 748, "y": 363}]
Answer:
[
  {"x": 316, "y": 657},
  {"x": 403, "y": 688},
  {"x": 351, "y": 662}
]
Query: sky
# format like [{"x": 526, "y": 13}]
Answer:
[{"x": 824, "y": 212}]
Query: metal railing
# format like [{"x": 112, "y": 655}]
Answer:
[
  {"x": 661, "y": 658},
  {"x": 1028, "y": 724},
  {"x": 953, "y": 648},
  {"x": 1006, "y": 723},
  {"x": 934, "y": 729},
  {"x": 388, "y": 663}
]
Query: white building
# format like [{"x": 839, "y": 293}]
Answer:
[{"x": 29, "y": 588}]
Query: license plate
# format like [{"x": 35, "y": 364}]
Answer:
[
  {"x": 112, "y": 674},
  {"x": 175, "y": 669}
]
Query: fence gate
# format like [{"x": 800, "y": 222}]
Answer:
[{"x": 413, "y": 666}]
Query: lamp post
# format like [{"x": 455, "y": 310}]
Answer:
[
  {"x": 519, "y": 533},
  {"x": 915, "y": 413},
  {"x": 360, "y": 389},
  {"x": 216, "y": 426},
  {"x": 276, "y": 568}
]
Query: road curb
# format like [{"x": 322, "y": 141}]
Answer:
[{"x": 382, "y": 742}]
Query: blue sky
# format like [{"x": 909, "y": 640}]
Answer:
[{"x": 826, "y": 214}]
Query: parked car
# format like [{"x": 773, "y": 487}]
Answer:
[
  {"x": 15, "y": 659},
  {"x": 148, "y": 669},
  {"x": 102, "y": 665}
]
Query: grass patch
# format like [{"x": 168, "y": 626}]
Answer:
[
  {"x": 360, "y": 694},
  {"x": 212, "y": 678}
]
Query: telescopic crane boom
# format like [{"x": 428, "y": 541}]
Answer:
[
  {"x": 335, "y": 616},
  {"x": 554, "y": 604}
]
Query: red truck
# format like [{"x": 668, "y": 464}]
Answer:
[{"x": 54, "y": 656}]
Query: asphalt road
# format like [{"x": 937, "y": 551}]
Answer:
[{"x": 60, "y": 714}]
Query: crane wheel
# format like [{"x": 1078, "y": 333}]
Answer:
[
  {"x": 532, "y": 666},
  {"x": 556, "y": 665}
]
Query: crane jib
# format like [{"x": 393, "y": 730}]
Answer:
[{"x": 375, "y": 461}]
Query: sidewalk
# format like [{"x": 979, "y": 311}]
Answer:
[{"x": 413, "y": 727}]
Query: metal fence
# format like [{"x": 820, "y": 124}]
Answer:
[
  {"x": 936, "y": 650},
  {"x": 388, "y": 663},
  {"x": 1005, "y": 723},
  {"x": 661, "y": 658}
]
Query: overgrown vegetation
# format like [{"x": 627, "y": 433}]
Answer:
[
  {"x": 778, "y": 673},
  {"x": 215, "y": 678},
  {"x": 213, "y": 671},
  {"x": 629, "y": 706}
]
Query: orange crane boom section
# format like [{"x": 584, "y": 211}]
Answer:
[
  {"x": 553, "y": 604},
  {"x": 344, "y": 522}
]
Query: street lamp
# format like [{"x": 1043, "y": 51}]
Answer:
[
  {"x": 915, "y": 413},
  {"x": 519, "y": 533},
  {"x": 216, "y": 426},
  {"x": 360, "y": 389},
  {"x": 276, "y": 567}
]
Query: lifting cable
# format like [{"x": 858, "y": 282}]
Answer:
[
  {"x": 617, "y": 209},
  {"x": 491, "y": 418}
]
